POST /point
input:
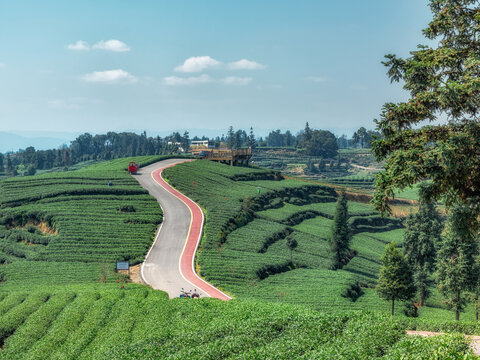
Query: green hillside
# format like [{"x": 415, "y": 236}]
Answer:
[
  {"x": 61, "y": 233},
  {"x": 60, "y": 227},
  {"x": 139, "y": 323},
  {"x": 249, "y": 217}
]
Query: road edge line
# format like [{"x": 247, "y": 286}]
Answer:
[{"x": 188, "y": 235}]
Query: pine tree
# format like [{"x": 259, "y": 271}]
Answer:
[
  {"x": 307, "y": 135},
  {"x": 395, "y": 281},
  {"x": 230, "y": 138},
  {"x": 456, "y": 259},
  {"x": 443, "y": 80},
  {"x": 422, "y": 234},
  {"x": 341, "y": 233},
  {"x": 251, "y": 142}
]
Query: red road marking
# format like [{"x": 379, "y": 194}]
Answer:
[{"x": 188, "y": 256}]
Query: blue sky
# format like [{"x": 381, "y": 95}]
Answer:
[{"x": 160, "y": 66}]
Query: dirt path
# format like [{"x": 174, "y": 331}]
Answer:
[
  {"x": 474, "y": 339},
  {"x": 365, "y": 168}
]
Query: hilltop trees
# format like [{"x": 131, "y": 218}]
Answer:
[
  {"x": 186, "y": 141},
  {"x": 395, "y": 281},
  {"x": 422, "y": 234},
  {"x": 444, "y": 82},
  {"x": 341, "y": 236},
  {"x": 364, "y": 137}
]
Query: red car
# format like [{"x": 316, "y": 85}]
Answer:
[{"x": 132, "y": 167}]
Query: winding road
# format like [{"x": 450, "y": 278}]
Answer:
[{"x": 170, "y": 263}]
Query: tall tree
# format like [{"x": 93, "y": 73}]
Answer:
[
  {"x": 361, "y": 137},
  {"x": 395, "y": 281},
  {"x": 251, "y": 142},
  {"x": 307, "y": 134},
  {"x": 456, "y": 258},
  {"x": 340, "y": 241},
  {"x": 186, "y": 141},
  {"x": 422, "y": 236},
  {"x": 230, "y": 138},
  {"x": 444, "y": 82},
  {"x": 2, "y": 165}
]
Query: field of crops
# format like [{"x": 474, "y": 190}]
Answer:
[
  {"x": 245, "y": 250},
  {"x": 104, "y": 322},
  {"x": 64, "y": 225}
]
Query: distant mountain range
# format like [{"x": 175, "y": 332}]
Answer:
[{"x": 13, "y": 142}]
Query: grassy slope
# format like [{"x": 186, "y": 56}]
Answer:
[
  {"x": 234, "y": 265},
  {"x": 137, "y": 322}
]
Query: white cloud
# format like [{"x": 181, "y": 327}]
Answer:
[
  {"x": 234, "y": 80},
  {"x": 206, "y": 79},
  {"x": 2, "y": 65},
  {"x": 317, "y": 79},
  {"x": 197, "y": 64},
  {"x": 110, "y": 76},
  {"x": 112, "y": 45},
  {"x": 245, "y": 64},
  {"x": 193, "y": 80},
  {"x": 80, "y": 45}
]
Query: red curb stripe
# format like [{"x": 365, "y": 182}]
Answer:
[{"x": 188, "y": 256}]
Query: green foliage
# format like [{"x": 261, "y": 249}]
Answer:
[
  {"x": 395, "y": 281},
  {"x": 451, "y": 346},
  {"x": 340, "y": 240},
  {"x": 443, "y": 82},
  {"x": 137, "y": 322},
  {"x": 422, "y": 236},
  {"x": 456, "y": 269},
  {"x": 321, "y": 143}
]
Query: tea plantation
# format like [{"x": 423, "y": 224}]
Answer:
[
  {"x": 138, "y": 323},
  {"x": 60, "y": 234},
  {"x": 249, "y": 216},
  {"x": 60, "y": 227}
]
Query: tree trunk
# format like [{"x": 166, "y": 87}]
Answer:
[
  {"x": 393, "y": 306},
  {"x": 422, "y": 296},
  {"x": 476, "y": 304},
  {"x": 457, "y": 310}
]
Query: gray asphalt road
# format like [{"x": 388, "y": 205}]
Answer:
[{"x": 161, "y": 267}]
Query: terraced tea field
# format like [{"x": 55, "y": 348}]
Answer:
[
  {"x": 59, "y": 227},
  {"x": 244, "y": 250},
  {"x": 139, "y": 323}
]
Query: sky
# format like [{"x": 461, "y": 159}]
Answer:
[{"x": 163, "y": 66}]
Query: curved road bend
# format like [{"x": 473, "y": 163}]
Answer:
[{"x": 169, "y": 265}]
